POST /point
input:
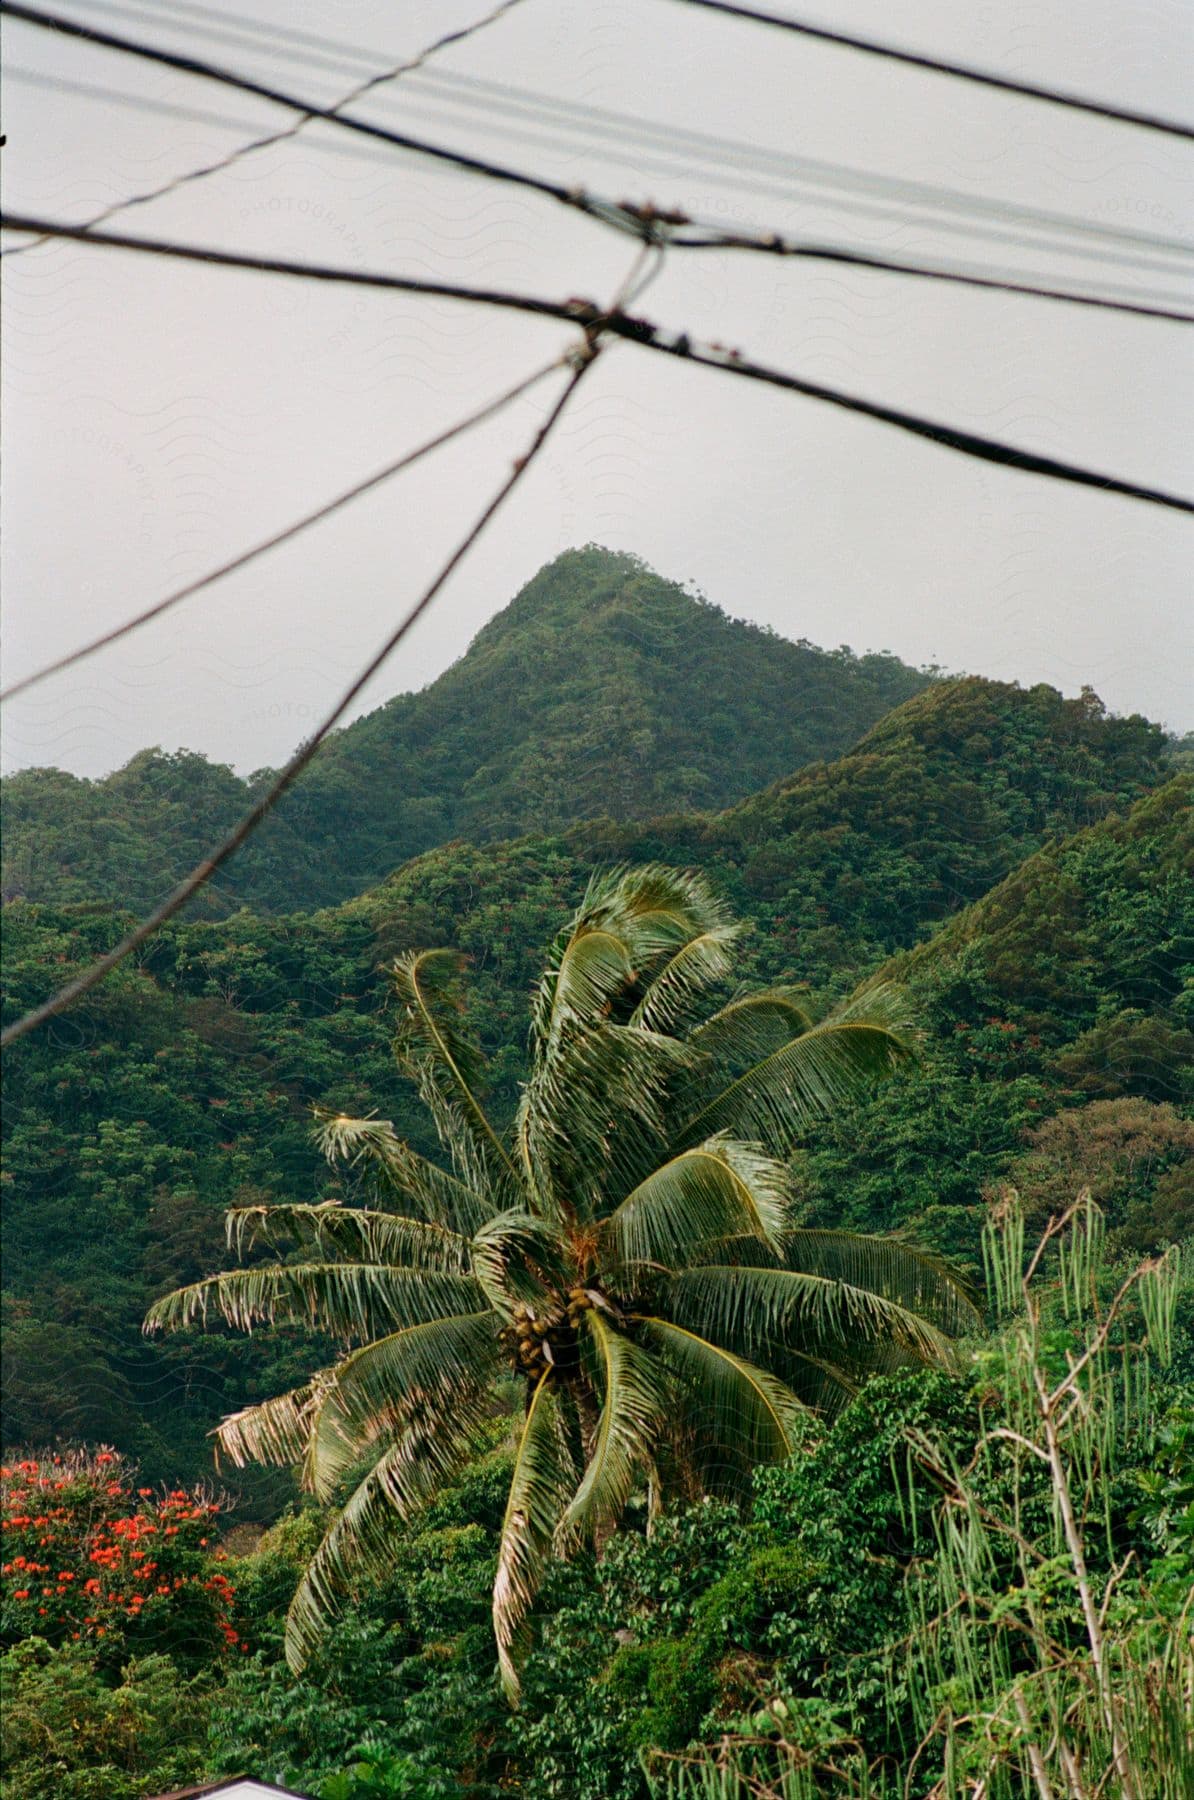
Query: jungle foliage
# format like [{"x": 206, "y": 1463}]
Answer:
[
  {"x": 808, "y": 1644},
  {"x": 627, "y": 1252},
  {"x": 184, "y": 1085},
  {"x": 1016, "y": 864}
]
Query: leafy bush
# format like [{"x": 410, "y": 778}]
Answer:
[{"x": 89, "y": 1556}]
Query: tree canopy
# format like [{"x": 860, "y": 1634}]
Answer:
[{"x": 628, "y": 1251}]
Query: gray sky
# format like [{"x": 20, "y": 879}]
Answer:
[{"x": 160, "y": 417}]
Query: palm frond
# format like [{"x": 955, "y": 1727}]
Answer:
[
  {"x": 394, "y": 1385},
  {"x": 514, "y": 1256},
  {"x": 274, "y": 1431},
  {"x": 431, "y": 1045},
  {"x": 346, "y": 1299},
  {"x": 740, "y": 1414},
  {"x": 753, "y": 1026},
  {"x": 632, "y": 1400},
  {"x": 717, "y": 1190},
  {"x": 543, "y": 1477},
  {"x": 762, "y": 1311},
  {"x": 634, "y": 916},
  {"x": 591, "y": 1119},
  {"x": 695, "y": 967},
  {"x": 359, "y": 1545},
  {"x": 593, "y": 969},
  {"x": 353, "y": 1232},
  {"x": 656, "y": 909},
  {"x": 437, "y": 1196},
  {"x": 918, "y": 1279},
  {"x": 808, "y": 1078}
]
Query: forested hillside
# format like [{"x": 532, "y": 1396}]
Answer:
[
  {"x": 601, "y": 690},
  {"x": 187, "y": 1081},
  {"x": 1019, "y": 866}
]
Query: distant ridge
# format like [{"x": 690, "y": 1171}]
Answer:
[{"x": 601, "y": 690}]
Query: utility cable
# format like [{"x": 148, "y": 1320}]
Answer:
[
  {"x": 966, "y": 443},
  {"x": 648, "y": 336},
  {"x": 1099, "y": 109},
  {"x": 461, "y": 89},
  {"x": 1150, "y": 301},
  {"x": 772, "y": 245},
  {"x": 919, "y": 194},
  {"x": 581, "y": 362},
  {"x": 284, "y": 536},
  {"x": 646, "y": 222},
  {"x": 809, "y": 251},
  {"x": 233, "y": 28},
  {"x": 290, "y": 131},
  {"x": 769, "y": 244},
  {"x": 611, "y": 213},
  {"x": 727, "y": 153}
]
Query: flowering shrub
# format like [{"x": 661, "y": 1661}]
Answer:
[{"x": 88, "y": 1555}]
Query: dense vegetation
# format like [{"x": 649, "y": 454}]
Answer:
[
  {"x": 184, "y": 1086},
  {"x": 1017, "y": 864},
  {"x": 602, "y": 689},
  {"x": 812, "y": 1640},
  {"x": 626, "y": 1256}
]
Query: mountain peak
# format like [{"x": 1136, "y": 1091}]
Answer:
[{"x": 601, "y": 690}]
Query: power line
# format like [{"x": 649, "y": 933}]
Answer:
[
  {"x": 770, "y": 244},
  {"x": 610, "y": 213},
  {"x": 1091, "y": 241},
  {"x": 643, "y": 221},
  {"x": 648, "y": 336},
  {"x": 934, "y": 197},
  {"x": 1099, "y": 109},
  {"x": 794, "y": 248},
  {"x": 1148, "y": 301},
  {"x": 216, "y": 22},
  {"x": 291, "y": 131},
  {"x": 462, "y": 89},
  {"x": 459, "y": 89},
  {"x": 967, "y": 443},
  {"x": 203, "y": 871},
  {"x": 284, "y": 536},
  {"x": 572, "y": 312}
]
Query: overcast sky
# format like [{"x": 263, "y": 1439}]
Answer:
[{"x": 160, "y": 417}]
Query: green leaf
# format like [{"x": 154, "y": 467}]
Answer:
[
  {"x": 447, "y": 1064},
  {"x": 413, "y": 1377},
  {"x": 918, "y": 1279},
  {"x": 439, "y": 1197},
  {"x": 741, "y": 1414},
  {"x": 515, "y": 1255},
  {"x": 347, "y": 1299},
  {"x": 632, "y": 1399},
  {"x": 274, "y": 1431},
  {"x": 544, "y": 1475},
  {"x": 719, "y": 1189},
  {"x": 359, "y": 1545},
  {"x": 698, "y": 965},
  {"x": 763, "y": 1310},
  {"x": 591, "y": 1120},
  {"x": 753, "y": 1026},
  {"x": 360, "y": 1235},
  {"x": 809, "y": 1078}
]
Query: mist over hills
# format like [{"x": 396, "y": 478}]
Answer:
[{"x": 601, "y": 690}]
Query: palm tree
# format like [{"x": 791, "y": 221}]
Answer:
[{"x": 628, "y": 1250}]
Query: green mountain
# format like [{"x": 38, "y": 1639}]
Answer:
[
  {"x": 843, "y": 862},
  {"x": 187, "y": 1080},
  {"x": 601, "y": 690}
]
